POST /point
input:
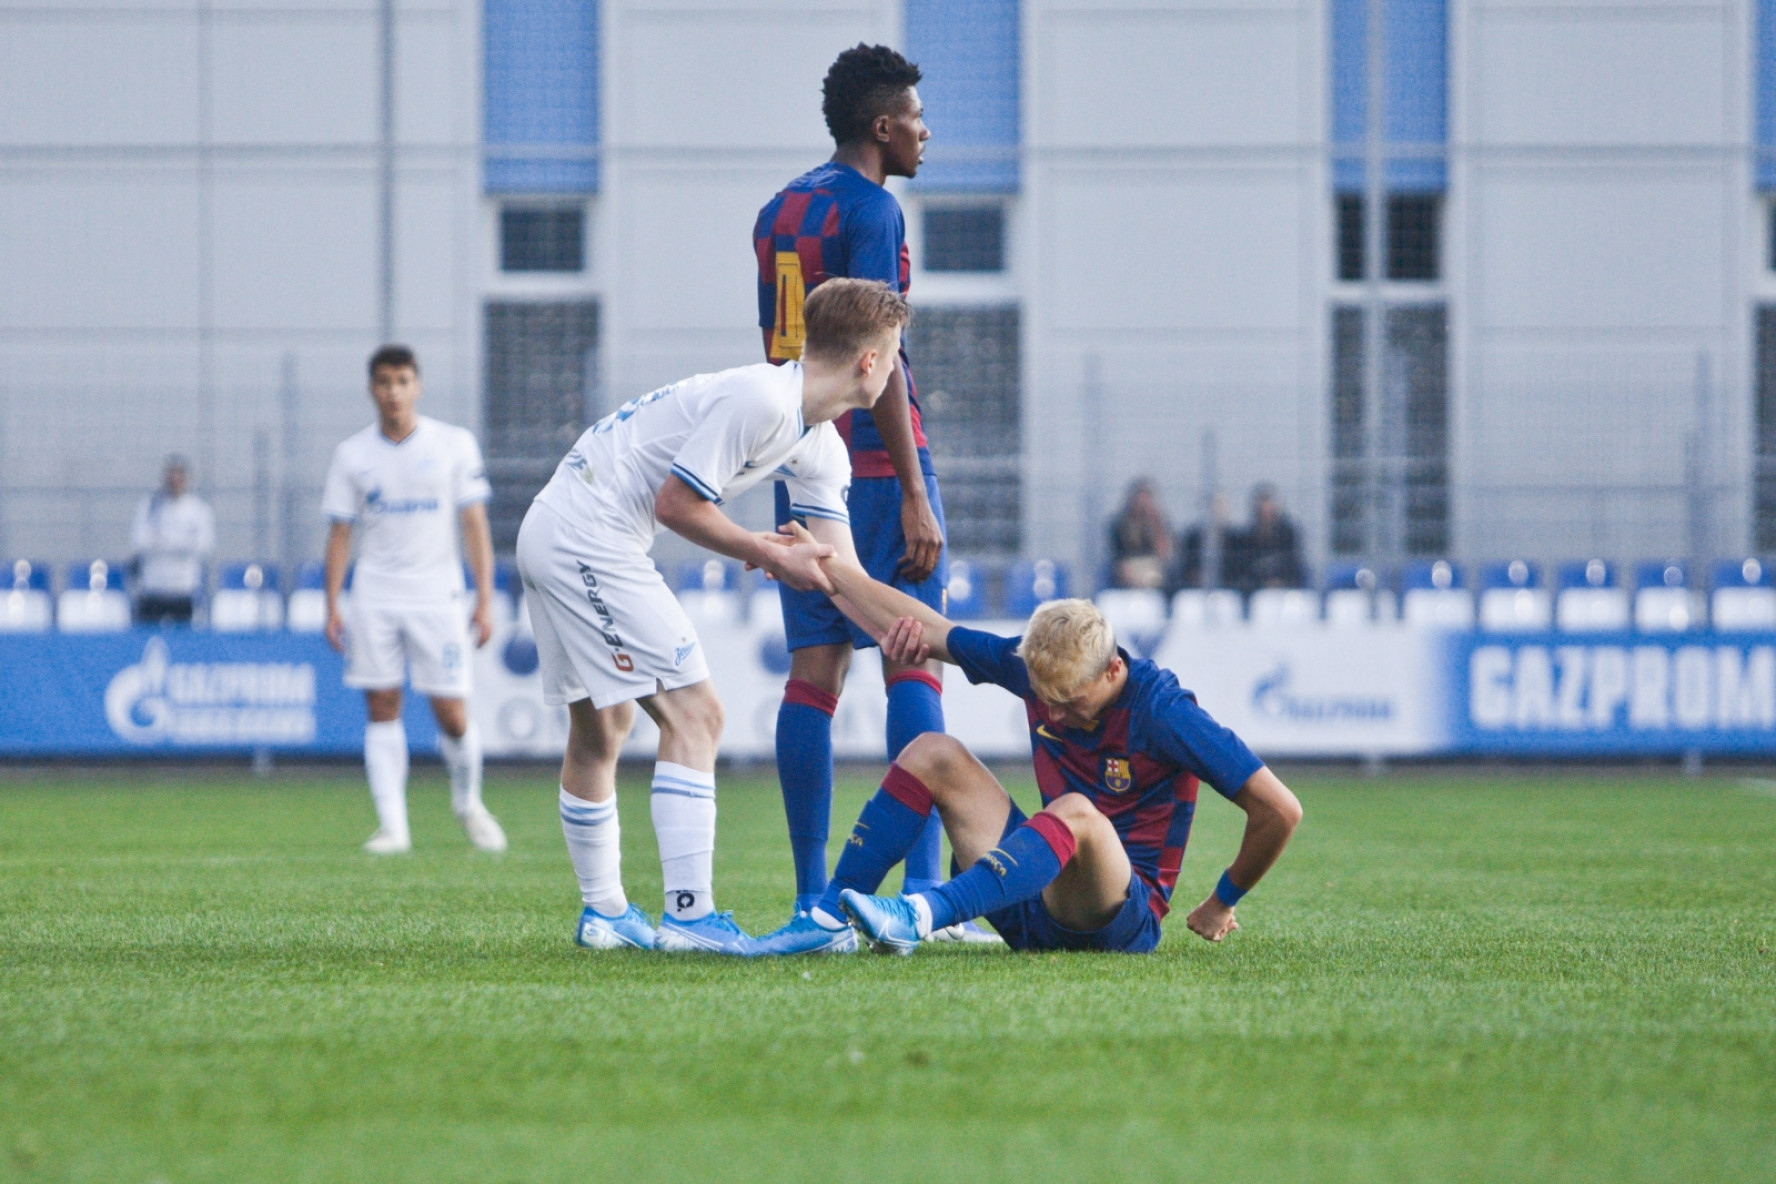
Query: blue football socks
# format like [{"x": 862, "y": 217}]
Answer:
[
  {"x": 1021, "y": 866},
  {"x": 890, "y": 824},
  {"x": 915, "y": 706},
  {"x": 805, "y": 771}
]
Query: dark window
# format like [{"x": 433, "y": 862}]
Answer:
[
  {"x": 543, "y": 238},
  {"x": 1350, "y": 237},
  {"x": 541, "y": 361},
  {"x": 965, "y": 238},
  {"x": 1764, "y": 495},
  {"x": 965, "y": 366},
  {"x": 1414, "y": 236},
  {"x": 1390, "y": 469}
]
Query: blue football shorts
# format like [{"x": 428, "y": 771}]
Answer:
[
  {"x": 809, "y": 618},
  {"x": 1027, "y": 925}
]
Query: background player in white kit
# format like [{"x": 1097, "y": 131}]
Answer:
[
  {"x": 404, "y": 486},
  {"x": 610, "y": 633}
]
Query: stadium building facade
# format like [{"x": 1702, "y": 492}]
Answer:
[{"x": 1144, "y": 243}]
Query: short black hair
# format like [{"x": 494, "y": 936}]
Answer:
[
  {"x": 393, "y": 355},
  {"x": 865, "y": 81}
]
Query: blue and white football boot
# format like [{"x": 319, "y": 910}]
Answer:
[
  {"x": 892, "y": 923},
  {"x": 805, "y": 935},
  {"x": 599, "y": 932},
  {"x": 712, "y": 934}
]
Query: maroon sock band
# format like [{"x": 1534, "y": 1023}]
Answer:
[
  {"x": 908, "y": 790},
  {"x": 806, "y": 694},
  {"x": 925, "y": 676},
  {"x": 1056, "y": 834}
]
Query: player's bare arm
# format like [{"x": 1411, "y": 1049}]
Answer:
[
  {"x": 478, "y": 549},
  {"x": 893, "y": 415},
  {"x": 338, "y": 559},
  {"x": 876, "y": 607},
  {"x": 1272, "y": 814},
  {"x": 688, "y": 514}
]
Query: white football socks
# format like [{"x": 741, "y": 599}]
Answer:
[
  {"x": 594, "y": 843},
  {"x": 462, "y": 757},
  {"x": 683, "y": 803},
  {"x": 385, "y": 764}
]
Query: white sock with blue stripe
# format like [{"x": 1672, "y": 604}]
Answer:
[
  {"x": 595, "y": 844},
  {"x": 684, "y": 824}
]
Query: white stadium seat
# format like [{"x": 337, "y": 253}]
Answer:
[
  {"x": 94, "y": 600},
  {"x": 1285, "y": 606},
  {"x": 1134, "y": 613},
  {"x": 1194, "y": 608},
  {"x": 1591, "y": 610},
  {"x": 1351, "y": 607},
  {"x": 1515, "y": 610},
  {"x": 1441, "y": 608},
  {"x": 1741, "y": 610},
  {"x": 1667, "y": 610}
]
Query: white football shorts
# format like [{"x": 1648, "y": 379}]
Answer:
[
  {"x": 607, "y": 626},
  {"x": 385, "y": 639}
]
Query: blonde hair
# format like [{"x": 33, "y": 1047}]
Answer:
[
  {"x": 843, "y": 317},
  {"x": 1067, "y": 644}
]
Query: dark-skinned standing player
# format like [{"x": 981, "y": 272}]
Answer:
[{"x": 838, "y": 219}]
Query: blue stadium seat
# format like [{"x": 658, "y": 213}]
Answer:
[
  {"x": 1346, "y": 577},
  {"x": 1664, "y": 601},
  {"x": 708, "y": 575},
  {"x": 247, "y": 599},
  {"x": 95, "y": 575},
  {"x": 93, "y": 600},
  {"x": 1591, "y": 573},
  {"x": 248, "y": 577},
  {"x": 505, "y": 579},
  {"x": 967, "y": 591},
  {"x": 312, "y": 575},
  {"x": 1511, "y": 573},
  {"x": 1355, "y": 596},
  {"x": 1434, "y": 575},
  {"x": 1029, "y": 582},
  {"x": 25, "y": 604},
  {"x": 1743, "y": 597}
]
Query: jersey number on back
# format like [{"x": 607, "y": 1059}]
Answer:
[{"x": 789, "y": 334}]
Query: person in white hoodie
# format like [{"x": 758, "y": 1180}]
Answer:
[{"x": 173, "y": 533}]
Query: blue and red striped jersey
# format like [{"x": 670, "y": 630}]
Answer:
[
  {"x": 1139, "y": 766},
  {"x": 833, "y": 221}
]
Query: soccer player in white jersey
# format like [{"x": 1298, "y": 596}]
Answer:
[
  {"x": 405, "y": 487},
  {"x": 610, "y": 633}
]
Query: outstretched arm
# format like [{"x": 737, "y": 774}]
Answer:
[
  {"x": 796, "y": 562},
  {"x": 880, "y": 610},
  {"x": 1272, "y": 814}
]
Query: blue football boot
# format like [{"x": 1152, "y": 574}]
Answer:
[
  {"x": 805, "y": 935},
  {"x": 890, "y": 922},
  {"x": 712, "y": 934},
  {"x": 599, "y": 932}
]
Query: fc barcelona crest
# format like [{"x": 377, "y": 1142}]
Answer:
[{"x": 1117, "y": 778}]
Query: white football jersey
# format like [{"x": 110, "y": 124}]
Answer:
[
  {"x": 720, "y": 433},
  {"x": 403, "y": 501}
]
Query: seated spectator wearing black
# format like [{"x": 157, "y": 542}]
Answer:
[
  {"x": 1266, "y": 554},
  {"x": 1140, "y": 540},
  {"x": 174, "y": 532},
  {"x": 1202, "y": 550}
]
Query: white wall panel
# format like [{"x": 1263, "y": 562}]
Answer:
[
  {"x": 436, "y": 94},
  {"x": 429, "y": 263},
  {"x": 1134, "y": 251},
  {"x": 312, "y": 81},
  {"x": 1600, "y": 75},
  {"x": 1171, "y": 78},
  {"x": 1567, "y": 249},
  {"x": 296, "y": 251},
  {"x": 90, "y": 249},
  {"x": 71, "y": 81},
  {"x": 687, "y": 247}
]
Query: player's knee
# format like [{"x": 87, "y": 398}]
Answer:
[
  {"x": 1080, "y": 817},
  {"x": 933, "y": 757}
]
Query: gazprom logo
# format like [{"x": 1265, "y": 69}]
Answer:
[
  {"x": 1273, "y": 697},
  {"x": 159, "y": 701}
]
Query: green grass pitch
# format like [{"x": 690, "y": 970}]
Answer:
[{"x": 1452, "y": 976}]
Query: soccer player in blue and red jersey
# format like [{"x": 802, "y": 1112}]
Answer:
[
  {"x": 1119, "y": 748},
  {"x": 839, "y": 220}
]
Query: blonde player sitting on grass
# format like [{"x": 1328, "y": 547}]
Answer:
[
  {"x": 1119, "y": 748},
  {"x": 610, "y": 634},
  {"x": 404, "y": 487}
]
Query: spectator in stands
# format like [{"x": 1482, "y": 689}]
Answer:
[
  {"x": 1266, "y": 554},
  {"x": 1140, "y": 540},
  {"x": 1202, "y": 550},
  {"x": 174, "y": 532}
]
